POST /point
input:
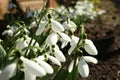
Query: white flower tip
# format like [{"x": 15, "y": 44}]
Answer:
[
  {"x": 60, "y": 56},
  {"x": 90, "y": 59},
  {"x": 83, "y": 68},
  {"x": 54, "y": 60},
  {"x": 90, "y": 48},
  {"x": 52, "y": 39},
  {"x": 56, "y": 26},
  {"x": 45, "y": 66},
  {"x": 70, "y": 68}
]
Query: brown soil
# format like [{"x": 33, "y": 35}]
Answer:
[{"x": 105, "y": 32}]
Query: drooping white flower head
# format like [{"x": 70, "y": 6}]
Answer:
[
  {"x": 41, "y": 28},
  {"x": 32, "y": 24},
  {"x": 28, "y": 39},
  {"x": 65, "y": 39},
  {"x": 90, "y": 48},
  {"x": 8, "y": 32},
  {"x": 45, "y": 66},
  {"x": 28, "y": 75},
  {"x": 9, "y": 71},
  {"x": 73, "y": 43},
  {"x": 90, "y": 59},
  {"x": 21, "y": 44},
  {"x": 56, "y": 26},
  {"x": 64, "y": 36},
  {"x": 70, "y": 25},
  {"x": 83, "y": 68},
  {"x": 54, "y": 60},
  {"x": 63, "y": 43},
  {"x": 52, "y": 39},
  {"x": 70, "y": 67},
  {"x": 33, "y": 67},
  {"x": 59, "y": 55}
]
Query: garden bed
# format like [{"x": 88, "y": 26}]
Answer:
[{"x": 105, "y": 32}]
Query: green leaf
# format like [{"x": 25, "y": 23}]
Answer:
[
  {"x": 73, "y": 75},
  {"x": 63, "y": 75},
  {"x": 2, "y": 52}
]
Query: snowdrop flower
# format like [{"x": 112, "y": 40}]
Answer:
[
  {"x": 100, "y": 12},
  {"x": 83, "y": 67},
  {"x": 65, "y": 39},
  {"x": 28, "y": 39},
  {"x": 8, "y": 32},
  {"x": 90, "y": 48},
  {"x": 41, "y": 28},
  {"x": 56, "y": 26},
  {"x": 54, "y": 60},
  {"x": 9, "y": 71},
  {"x": 49, "y": 57},
  {"x": 59, "y": 55},
  {"x": 21, "y": 44},
  {"x": 33, "y": 67},
  {"x": 70, "y": 25},
  {"x": 90, "y": 59},
  {"x": 70, "y": 67},
  {"x": 32, "y": 24},
  {"x": 73, "y": 43},
  {"x": 45, "y": 66},
  {"x": 29, "y": 76},
  {"x": 52, "y": 39}
]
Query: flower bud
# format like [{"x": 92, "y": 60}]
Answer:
[
  {"x": 54, "y": 60},
  {"x": 41, "y": 28},
  {"x": 29, "y": 76},
  {"x": 45, "y": 66},
  {"x": 60, "y": 56},
  {"x": 33, "y": 67},
  {"x": 56, "y": 26},
  {"x": 90, "y": 59},
  {"x": 83, "y": 68},
  {"x": 52, "y": 39},
  {"x": 9, "y": 71},
  {"x": 90, "y": 48}
]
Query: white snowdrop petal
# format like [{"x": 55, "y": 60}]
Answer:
[
  {"x": 83, "y": 68},
  {"x": 70, "y": 25},
  {"x": 70, "y": 68},
  {"x": 71, "y": 49},
  {"x": 45, "y": 66},
  {"x": 60, "y": 56},
  {"x": 41, "y": 57},
  {"x": 52, "y": 39},
  {"x": 90, "y": 59},
  {"x": 33, "y": 67},
  {"x": 41, "y": 28},
  {"x": 8, "y": 32},
  {"x": 64, "y": 43},
  {"x": 74, "y": 40},
  {"x": 32, "y": 24},
  {"x": 54, "y": 60},
  {"x": 56, "y": 26},
  {"x": 90, "y": 48},
  {"x": 9, "y": 71},
  {"x": 29, "y": 76},
  {"x": 64, "y": 36}
]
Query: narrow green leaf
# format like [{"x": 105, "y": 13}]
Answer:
[
  {"x": 2, "y": 51},
  {"x": 63, "y": 75}
]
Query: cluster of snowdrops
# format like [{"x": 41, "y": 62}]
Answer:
[{"x": 52, "y": 45}]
